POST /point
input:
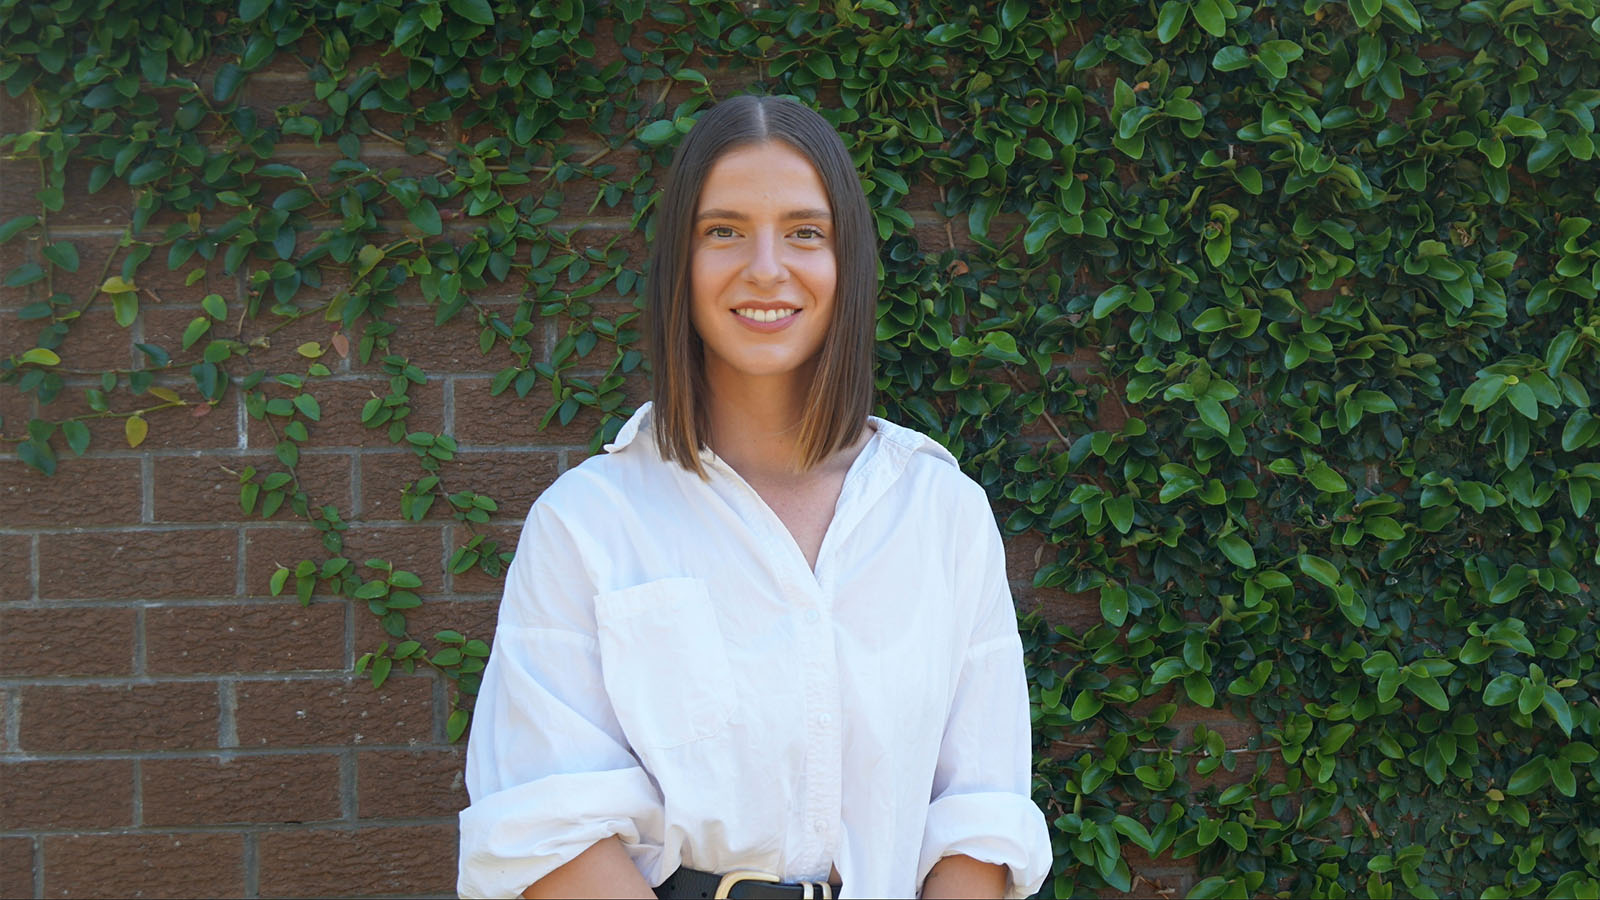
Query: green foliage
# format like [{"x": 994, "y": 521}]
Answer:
[{"x": 1274, "y": 326}]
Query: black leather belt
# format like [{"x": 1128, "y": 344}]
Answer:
[{"x": 746, "y": 885}]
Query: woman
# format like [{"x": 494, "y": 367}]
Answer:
[{"x": 764, "y": 637}]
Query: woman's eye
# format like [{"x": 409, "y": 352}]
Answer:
[
  {"x": 809, "y": 232},
  {"x": 720, "y": 231}
]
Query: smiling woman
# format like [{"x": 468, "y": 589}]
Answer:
[{"x": 763, "y": 646}]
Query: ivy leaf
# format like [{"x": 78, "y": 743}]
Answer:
[
  {"x": 1427, "y": 689},
  {"x": 1529, "y": 777},
  {"x": 658, "y": 132},
  {"x": 63, "y": 254},
  {"x": 1237, "y": 550},
  {"x": 135, "y": 429},
  {"x": 1170, "y": 20},
  {"x": 1484, "y": 392},
  {"x": 77, "y": 435},
  {"x": 16, "y": 226},
  {"x": 425, "y": 216},
  {"x": 1209, "y": 15},
  {"x": 1213, "y": 415},
  {"x": 1319, "y": 569},
  {"x": 1114, "y": 605},
  {"x": 477, "y": 11},
  {"x": 456, "y": 725},
  {"x": 251, "y": 10}
]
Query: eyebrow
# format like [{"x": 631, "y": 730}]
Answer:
[{"x": 736, "y": 216}]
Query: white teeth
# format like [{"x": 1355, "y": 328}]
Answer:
[{"x": 765, "y": 315}]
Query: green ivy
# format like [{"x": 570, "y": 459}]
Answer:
[{"x": 1273, "y": 325}]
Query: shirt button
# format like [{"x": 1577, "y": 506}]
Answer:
[
  {"x": 816, "y": 824},
  {"x": 825, "y": 720},
  {"x": 811, "y": 616}
]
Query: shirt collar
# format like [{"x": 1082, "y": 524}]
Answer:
[{"x": 630, "y": 429}]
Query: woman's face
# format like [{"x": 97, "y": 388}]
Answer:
[{"x": 762, "y": 268}]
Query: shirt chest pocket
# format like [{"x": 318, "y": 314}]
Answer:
[{"x": 662, "y": 658}]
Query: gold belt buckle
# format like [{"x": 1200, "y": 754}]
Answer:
[{"x": 733, "y": 878}]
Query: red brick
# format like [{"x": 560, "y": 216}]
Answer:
[
  {"x": 253, "y": 789},
  {"x": 475, "y": 580},
  {"x": 94, "y": 341},
  {"x": 132, "y": 717},
  {"x": 57, "y": 794},
  {"x": 415, "y": 859},
  {"x": 13, "y": 253},
  {"x": 144, "y": 865},
  {"x": 273, "y": 343},
  {"x": 408, "y": 784},
  {"x": 256, "y": 637},
  {"x": 512, "y": 480},
  {"x": 16, "y": 862},
  {"x": 453, "y": 346},
  {"x": 339, "y": 712},
  {"x": 16, "y": 567},
  {"x": 28, "y": 497},
  {"x": 341, "y": 404},
  {"x": 16, "y": 408},
  {"x": 70, "y": 641},
  {"x": 170, "y": 429},
  {"x": 485, "y": 420},
  {"x": 416, "y": 548},
  {"x": 475, "y": 619},
  {"x": 200, "y": 488},
  {"x": 138, "y": 565}
]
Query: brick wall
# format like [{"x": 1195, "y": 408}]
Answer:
[{"x": 171, "y": 729}]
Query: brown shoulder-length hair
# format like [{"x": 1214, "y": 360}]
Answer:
[{"x": 841, "y": 395}]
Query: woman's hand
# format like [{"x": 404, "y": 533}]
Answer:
[
  {"x": 962, "y": 876},
  {"x": 603, "y": 870}
]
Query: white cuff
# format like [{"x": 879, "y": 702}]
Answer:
[
  {"x": 999, "y": 828},
  {"x": 514, "y": 837}
]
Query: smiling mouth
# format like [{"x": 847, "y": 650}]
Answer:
[{"x": 764, "y": 315}]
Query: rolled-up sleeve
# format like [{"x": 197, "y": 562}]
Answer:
[
  {"x": 982, "y": 803},
  {"x": 548, "y": 770}
]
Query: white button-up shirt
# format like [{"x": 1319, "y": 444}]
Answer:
[{"x": 669, "y": 669}]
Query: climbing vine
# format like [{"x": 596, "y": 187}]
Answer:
[{"x": 1273, "y": 327}]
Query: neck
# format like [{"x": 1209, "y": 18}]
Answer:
[{"x": 755, "y": 420}]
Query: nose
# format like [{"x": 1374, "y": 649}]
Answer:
[{"x": 765, "y": 265}]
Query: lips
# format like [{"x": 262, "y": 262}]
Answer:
[{"x": 766, "y": 317}]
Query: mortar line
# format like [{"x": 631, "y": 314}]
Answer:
[
  {"x": 140, "y": 655},
  {"x": 13, "y": 713},
  {"x": 147, "y": 489},
  {"x": 448, "y": 405},
  {"x": 441, "y": 709},
  {"x": 355, "y": 483},
  {"x": 349, "y": 803},
  {"x": 252, "y": 865},
  {"x": 227, "y": 714},
  {"x": 241, "y": 421},
  {"x": 349, "y": 635},
  {"x": 240, "y": 589},
  {"x": 138, "y": 793},
  {"x": 33, "y": 568},
  {"x": 38, "y": 866}
]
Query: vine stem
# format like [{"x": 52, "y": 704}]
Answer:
[
  {"x": 1083, "y": 745},
  {"x": 108, "y": 414},
  {"x": 1045, "y": 414}
]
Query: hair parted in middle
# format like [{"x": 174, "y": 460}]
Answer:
[{"x": 841, "y": 394}]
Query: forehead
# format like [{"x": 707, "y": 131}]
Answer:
[{"x": 758, "y": 176}]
